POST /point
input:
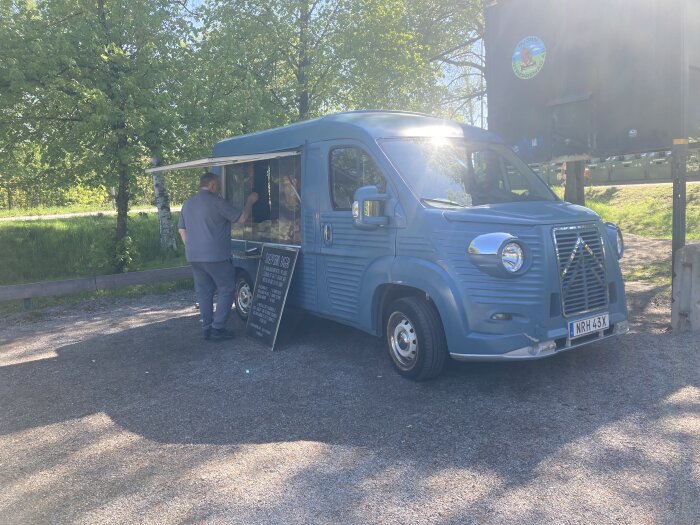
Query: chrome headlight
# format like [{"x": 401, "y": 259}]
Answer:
[
  {"x": 512, "y": 256},
  {"x": 499, "y": 254},
  {"x": 616, "y": 239},
  {"x": 620, "y": 244}
]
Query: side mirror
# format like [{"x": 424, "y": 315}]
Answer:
[{"x": 368, "y": 208}]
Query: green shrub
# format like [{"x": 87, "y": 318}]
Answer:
[{"x": 84, "y": 196}]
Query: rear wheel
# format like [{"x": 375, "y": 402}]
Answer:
[
  {"x": 244, "y": 296},
  {"x": 415, "y": 338}
]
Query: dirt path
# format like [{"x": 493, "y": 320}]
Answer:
[
  {"x": 645, "y": 251},
  {"x": 648, "y": 301}
]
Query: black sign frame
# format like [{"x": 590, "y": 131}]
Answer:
[
  {"x": 272, "y": 283},
  {"x": 604, "y": 77}
]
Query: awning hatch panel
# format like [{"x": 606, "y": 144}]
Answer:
[{"x": 211, "y": 162}]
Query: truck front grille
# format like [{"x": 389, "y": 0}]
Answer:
[{"x": 581, "y": 261}]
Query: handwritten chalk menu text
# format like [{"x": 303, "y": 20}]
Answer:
[{"x": 270, "y": 294}]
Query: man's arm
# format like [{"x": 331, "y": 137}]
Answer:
[
  {"x": 181, "y": 223},
  {"x": 247, "y": 208}
]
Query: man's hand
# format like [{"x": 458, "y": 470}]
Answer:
[
  {"x": 252, "y": 199},
  {"x": 183, "y": 235},
  {"x": 248, "y": 207}
]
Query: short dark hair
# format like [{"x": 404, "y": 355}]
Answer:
[{"x": 206, "y": 178}]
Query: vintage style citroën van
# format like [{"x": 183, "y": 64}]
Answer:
[{"x": 431, "y": 234}]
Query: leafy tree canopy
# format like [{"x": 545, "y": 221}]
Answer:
[{"x": 92, "y": 89}]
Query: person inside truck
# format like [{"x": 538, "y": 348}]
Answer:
[{"x": 288, "y": 209}]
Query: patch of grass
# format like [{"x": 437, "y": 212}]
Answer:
[
  {"x": 25, "y": 212},
  {"x": 603, "y": 195},
  {"x": 77, "y": 247},
  {"x": 62, "y": 210},
  {"x": 654, "y": 273},
  {"x": 644, "y": 209}
]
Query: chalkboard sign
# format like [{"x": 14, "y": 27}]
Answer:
[{"x": 270, "y": 294}]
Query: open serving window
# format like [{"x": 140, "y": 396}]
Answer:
[
  {"x": 276, "y": 177},
  {"x": 276, "y": 215}
]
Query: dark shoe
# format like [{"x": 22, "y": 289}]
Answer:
[
  {"x": 207, "y": 333},
  {"x": 221, "y": 334}
]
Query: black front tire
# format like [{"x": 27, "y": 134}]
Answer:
[
  {"x": 244, "y": 295},
  {"x": 415, "y": 338}
]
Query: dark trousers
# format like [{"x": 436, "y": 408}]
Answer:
[{"x": 208, "y": 277}]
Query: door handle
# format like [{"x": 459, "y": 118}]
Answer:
[{"x": 327, "y": 233}]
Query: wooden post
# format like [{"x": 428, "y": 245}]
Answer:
[
  {"x": 678, "y": 173},
  {"x": 685, "y": 312},
  {"x": 574, "y": 189}
]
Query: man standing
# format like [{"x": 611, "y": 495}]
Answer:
[{"x": 205, "y": 228}]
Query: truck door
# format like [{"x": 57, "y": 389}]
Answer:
[
  {"x": 304, "y": 289},
  {"x": 350, "y": 257}
]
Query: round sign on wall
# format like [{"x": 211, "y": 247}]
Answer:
[{"x": 528, "y": 57}]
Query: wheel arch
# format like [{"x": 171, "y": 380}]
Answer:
[
  {"x": 242, "y": 272},
  {"x": 426, "y": 280},
  {"x": 390, "y": 292}
]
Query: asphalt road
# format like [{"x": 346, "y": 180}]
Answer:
[{"x": 117, "y": 412}]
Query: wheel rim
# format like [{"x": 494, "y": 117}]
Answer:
[
  {"x": 403, "y": 340},
  {"x": 244, "y": 299}
]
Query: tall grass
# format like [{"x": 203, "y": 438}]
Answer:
[
  {"x": 77, "y": 247},
  {"x": 73, "y": 208}
]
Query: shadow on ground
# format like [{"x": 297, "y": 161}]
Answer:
[
  {"x": 508, "y": 426},
  {"x": 333, "y": 384},
  {"x": 151, "y": 424}
]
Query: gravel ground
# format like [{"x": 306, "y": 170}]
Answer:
[{"x": 114, "y": 411}]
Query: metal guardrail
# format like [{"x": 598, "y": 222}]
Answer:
[{"x": 27, "y": 292}]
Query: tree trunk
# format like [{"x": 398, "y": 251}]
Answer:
[
  {"x": 303, "y": 62},
  {"x": 167, "y": 238},
  {"x": 574, "y": 190},
  {"x": 123, "y": 257},
  {"x": 303, "y": 105},
  {"x": 122, "y": 200},
  {"x": 122, "y": 247}
]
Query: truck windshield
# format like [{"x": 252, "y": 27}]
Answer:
[{"x": 454, "y": 173}]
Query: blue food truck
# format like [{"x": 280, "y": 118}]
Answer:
[{"x": 431, "y": 234}]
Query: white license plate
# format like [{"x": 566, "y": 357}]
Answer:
[{"x": 589, "y": 325}]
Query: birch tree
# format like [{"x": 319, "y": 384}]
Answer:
[{"x": 91, "y": 80}]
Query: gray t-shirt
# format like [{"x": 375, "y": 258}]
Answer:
[{"x": 207, "y": 219}]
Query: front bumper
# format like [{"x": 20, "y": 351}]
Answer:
[{"x": 547, "y": 348}]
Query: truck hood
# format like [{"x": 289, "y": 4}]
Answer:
[{"x": 526, "y": 213}]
